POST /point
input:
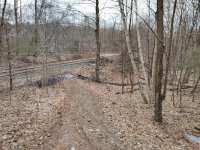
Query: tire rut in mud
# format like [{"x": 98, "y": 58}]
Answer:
[{"x": 83, "y": 127}]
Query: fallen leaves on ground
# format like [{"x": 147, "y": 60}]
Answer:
[{"x": 28, "y": 116}]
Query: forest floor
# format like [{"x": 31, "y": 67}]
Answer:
[{"x": 84, "y": 115}]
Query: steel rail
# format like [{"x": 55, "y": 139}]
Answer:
[{"x": 32, "y": 69}]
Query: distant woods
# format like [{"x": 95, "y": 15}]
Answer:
[{"x": 33, "y": 26}]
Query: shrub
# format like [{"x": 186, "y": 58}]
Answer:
[{"x": 76, "y": 56}]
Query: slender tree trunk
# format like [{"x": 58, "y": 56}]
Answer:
[
  {"x": 184, "y": 76},
  {"x": 44, "y": 67},
  {"x": 186, "y": 80},
  {"x": 20, "y": 12},
  {"x": 131, "y": 42},
  {"x": 130, "y": 53},
  {"x": 131, "y": 76},
  {"x": 181, "y": 85},
  {"x": 174, "y": 58},
  {"x": 195, "y": 86},
  {"x": 35, "y": 36},
  {"x": 179, "y": 81},
  {"x": 169, "y": 51},
  {"x": 141, "y": 55},
  {"x": 97, "y": 69},
  {"x": 1, "y": 29},
  {"x": 9, "y": 63},
  {"x": 122, "y": 70},
  {"x": 159, "y": 62},
  {"x": 16, "y": 25},
  {"x": 154, "y": 68},
  {"x": 38, "y": 13},
  {"x": 148, "y": 46},
  {"x": 122, "y": 62},
  {"x": 36, "y": 22},
  {"x": 26, "y": 75},
  {"x": 173, "y": 97}
]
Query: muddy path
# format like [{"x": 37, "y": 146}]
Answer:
[{"x": 83, "y": 127}]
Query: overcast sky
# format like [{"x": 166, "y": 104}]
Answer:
[
  {"x": 108, "y": 8},
  {"x": 108, "y": 5}
]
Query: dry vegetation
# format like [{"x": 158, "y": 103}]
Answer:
[
  {"x": 126, "y": 114},
  {"x": 29, "y": 116}
]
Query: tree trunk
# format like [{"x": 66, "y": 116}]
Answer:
[
  {"x": 169, "y": 51},
  {"x": 9, "y": 63},
  {"x": 131, "y": 42},
  {"x": 20, "y": 12},
  {"x": 130, "y": 53},
  {"x": 35, "y": 36},
  {"x": 195, "y": 86},
  {"x": 131, "y": 76},
  {"x": 97, "y": 69},
  {"x": 179, "y": 81},
  {"x": 141, "y": 55},
  {"x": 175, "y": 55},
  {"x": 181, "y": 85},
  {"x": 148, "y": 46},
  {"x": 159, "y": 62},
  {"x": 122, "y": 70},
  {"x": 16, "y": 26},
  {"x": 154, "y": 68},
  {"x": 38, "y": 13},
  {"x": 1, "y": 29},
  {"x": 36, "y": 22},
  {"x": 186, "y": 80}
]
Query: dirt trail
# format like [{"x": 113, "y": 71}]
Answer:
[{"x": 83, "y": 127}]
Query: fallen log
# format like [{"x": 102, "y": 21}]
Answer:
[
  {"x": 197, "y": 126},
  {"x": 184, "y": 87}
]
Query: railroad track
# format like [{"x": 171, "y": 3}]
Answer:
[
  {"x": 21, "y": 77},
  {"x": 38, "y": 68}
]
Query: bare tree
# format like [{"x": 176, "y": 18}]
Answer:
[
  {"x": 159, "y": 62},
  {"x": 130, "y": 50},
  {"x": 36, "y": 23},
  {"x": 20, "y": 12},
  {"x": 141, "y": 54},
  {"x": 1, "y": 29},
  {"x": 153, "y": 67},
  {"x": 9, "y": 61},
  {"x": 38, "y": 13},
  {"x": 169, "y": 51},
  {"x": 16, "y": 25},
  {"x": 97, "y": 43},
  {"x": 195, "y": 86}
]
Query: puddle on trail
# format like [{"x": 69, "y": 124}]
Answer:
[
  {"x": 69, "y": 75},
  {"x": 56, "y": 78},
  {"x": 47, "y": 82},
  {"x": 52, "y": 80}
]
